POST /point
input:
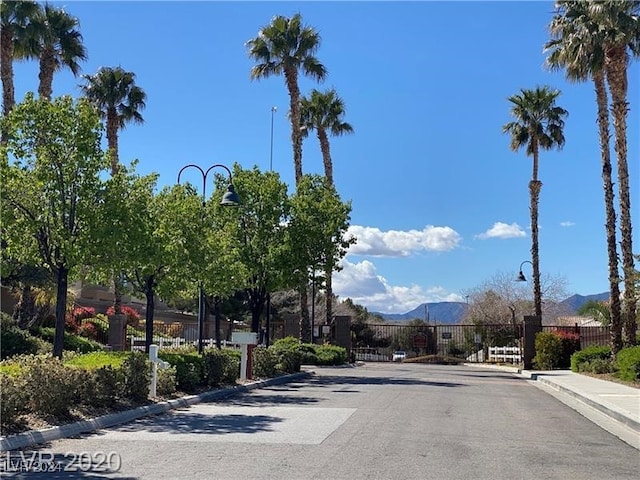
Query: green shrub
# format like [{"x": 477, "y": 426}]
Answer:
[
  {"x": 50, "y": 386},
  {"x": 589, "y": 354},
  {"x": 222, "y": 366},
  {"x": 73, "y": 343},
  {"x": 190, "y": 370},
  {"x": 94, "y": 360},
  {"x": 597, "y": 365},
  {"x": 289, "y": 354},
  {"x": 166, "y": 381},
  {"x": 548, "y": 351},
  {"x": 136, "y": 370},
  {"x": 265, "y": 362},
  {"x": 16, "y": 341},
  {"x": 101, "y": 386},
  {"x": 570, "y": 343},
  {"x": 331, "y": 355},
  {"x": 14, "y": 401},
  {"x": 628, "y": 362}
]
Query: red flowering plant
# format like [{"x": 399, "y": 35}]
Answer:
[
  {"x": 570, "y": 342},
  {"x": 88, "y": 330},
  {"x": 74, "y": 318},
  {"x": 131, "y": 314}
]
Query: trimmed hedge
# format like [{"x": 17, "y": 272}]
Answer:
[
  {"x": 581, "y": 360},
  {"x": 628, "y": 362}
]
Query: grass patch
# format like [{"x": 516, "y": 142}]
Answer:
[{"x": 95, "y": 360}]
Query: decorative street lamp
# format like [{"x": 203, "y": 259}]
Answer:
[
  {"x": 229, "y": 199},
  {"x": 521, "y": 277}
]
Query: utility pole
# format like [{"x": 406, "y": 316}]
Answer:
[{"x": 273, "y": 110}]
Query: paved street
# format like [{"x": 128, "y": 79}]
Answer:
[{"x": 378, "y": 421}]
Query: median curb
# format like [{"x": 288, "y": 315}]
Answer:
[{"x": 35, "y": 437}]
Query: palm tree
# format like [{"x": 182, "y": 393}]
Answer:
[
  {"x": 323, "y": 112},
  {"x": 15, "y": 18},
  {"x": 538, "y": 124},
  {"x": 286, "y": 47},
  {"x": 575, "y": 47},
  {"x": 619, "y": 27},
  {"x": 58, "y": 44},
  {"x": 114, "y": 93}
]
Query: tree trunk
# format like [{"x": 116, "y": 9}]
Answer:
[
  {"x": 305, "y": 326},
  {"x": 328, "y": 293},
  {"x": 6, "y": 73},
  {"x": 534, "y": 190},
  {"x": 112, "y": 139},
  {"x": 62, "y": 275},
  {"x": 616, "y": 70},
  {"x": 610, "y": 213},
  {"x": 47, "y": 67},
  {"x": 326, "y": 155},
  {"x": 148, "y": 316},
  {"x": 25, "y": 310},
  {"x": 117, "y": 295},
  {"x": 291, "y": 77}
]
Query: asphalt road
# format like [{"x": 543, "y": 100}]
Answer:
[{"x": 378, "y": 421}]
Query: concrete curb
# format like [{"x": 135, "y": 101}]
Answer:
[
  {"x": 35, "y": 437},
  {"x": 617, "y": 416}
]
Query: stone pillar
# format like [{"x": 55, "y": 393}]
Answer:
[
  {"x": 117, "y": 332},
  {"x": 532, "y": 326}
]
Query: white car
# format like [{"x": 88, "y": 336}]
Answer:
[{"x": 399, "y": 356}]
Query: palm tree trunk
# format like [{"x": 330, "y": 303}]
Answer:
[
  {"x": 6, "y": 73},
  {"x": 291, "y": 77},
  {"x": 112, "y": 138},
  {"x": 616, "y": 71},
  {"x": 47, "y": 67},
  {"x": 610, "y": 213},
  {"x": 326, "y": 155},
  {"x": 534, "y": 191}
]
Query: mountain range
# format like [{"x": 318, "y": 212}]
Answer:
[{"x": 452, "y": 312}]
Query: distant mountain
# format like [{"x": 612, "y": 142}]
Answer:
[
  {"x": 452, "y": 312},
  {"x": 575, "y": 302},
  {"x": 441, "y": 312}
]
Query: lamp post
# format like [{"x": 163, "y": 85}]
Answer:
[
  {"x": 521, "y": 277},
  {"x": 532, "y": 324},
  {"x": 229, "y": 199}
]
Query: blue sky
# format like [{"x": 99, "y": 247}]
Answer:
[{"x": 440, "y": 202}]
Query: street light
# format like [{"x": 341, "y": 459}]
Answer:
[
  {"x": 229, "y": 199},
  {"x": 521, "y": 277}
]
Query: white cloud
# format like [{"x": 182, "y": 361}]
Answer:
[
  {"x": 396, "y": 243},
  {"x": 361, "y": 283},
  {"x": 503, "y": 230},
  {"x": 567, "y": 224}
]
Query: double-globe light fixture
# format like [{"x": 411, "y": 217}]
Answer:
[{"x": 229, "y": 199}]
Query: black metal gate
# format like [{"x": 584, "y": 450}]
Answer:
[{"x": 471, "y": 343}]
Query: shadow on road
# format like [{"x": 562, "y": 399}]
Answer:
[
  {"x": 188, "y": 422},
  {"x": 351, "y": 380},
  {"x": 267, "y": 399}
]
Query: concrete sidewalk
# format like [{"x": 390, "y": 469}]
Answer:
[{"x": 613, "y": 406}]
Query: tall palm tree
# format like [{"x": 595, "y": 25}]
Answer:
[
  {"x": 619, "y": 25},
  {"x": 575, "y": 47},
  {"x": 538, "y": 124},
  {"x": 15, "y": 18},
  {"x": 59, "y": 44},
  {"x": 115, "y": 94},
  {"x": 287, "y": 47},
  {"x": 323, "y": 112}
]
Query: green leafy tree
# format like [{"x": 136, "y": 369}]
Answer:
[
  {"x": 51, "y": 186},
  {"x": 576, "y": 46},
  {"x": 119, "y": 100},
  {"x": 323, "y": 112},
  {"x": 538, "y": 124},
  {"x": 260, "y": 238},
  {"x": 316, "y": 233},
  {"x": 287, "y": 47},
  {"x": 56, "y": 39}
]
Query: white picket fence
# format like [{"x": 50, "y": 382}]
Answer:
[
  {"x": 138, "y": 343},
  {"x": 505, "y": 354}
]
